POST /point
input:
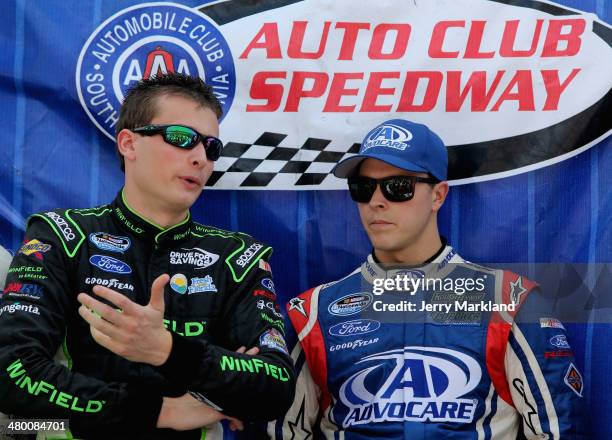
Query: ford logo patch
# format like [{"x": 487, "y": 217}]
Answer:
[
  {"x": 109, "y": 264},
  {"x": 559, "y": 341},
  {"x": 355, "y": 327}
]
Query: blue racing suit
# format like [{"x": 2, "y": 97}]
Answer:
[{"x": 460, "y": 363}]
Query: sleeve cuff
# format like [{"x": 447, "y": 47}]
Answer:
[
  {"x": 143, "y": 405},
  {"x": 185, "y": 360}
]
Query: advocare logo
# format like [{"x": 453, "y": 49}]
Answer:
[
  {"x": 143, "y": 41},
  {"x": 412, "y": 384},
  {"x": 388, "y": 135}
]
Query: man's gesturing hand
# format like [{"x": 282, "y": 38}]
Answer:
[{"x": 134, "y": 332}]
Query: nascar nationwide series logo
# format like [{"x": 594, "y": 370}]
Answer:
[
  {"x": 145, "y": 40},
  {"x": 412, "y": 384}
]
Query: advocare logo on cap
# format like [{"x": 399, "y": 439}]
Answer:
[
  {"x": 146, "y": 40},
  {"x": 388, "y": 135}
]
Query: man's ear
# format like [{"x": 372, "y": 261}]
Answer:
[
  {"x": 438, "y": 194},
  {"x": 125, "y": 144}
]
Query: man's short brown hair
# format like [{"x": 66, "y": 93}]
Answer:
[{"x": 141, "y": 101}]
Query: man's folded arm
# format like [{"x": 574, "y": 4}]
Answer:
[
  {"x": 233, "y": 381},
  {"x": 35, "y": 308}
]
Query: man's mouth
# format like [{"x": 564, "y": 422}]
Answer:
[{"x": 192, "y": 181}]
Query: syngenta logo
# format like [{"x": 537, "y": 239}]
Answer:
[
  {"x": 16, "y": 307},
  {"x": 425, "y": 384}
]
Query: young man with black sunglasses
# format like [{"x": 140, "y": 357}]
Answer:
[
  {"x": 417, "y": 343},
  {"x": 150, "y": 311}
]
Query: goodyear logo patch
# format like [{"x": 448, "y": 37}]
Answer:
[{"x": 143, "y": 41}]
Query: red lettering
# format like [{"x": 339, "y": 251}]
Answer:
[
  {"x": 374, "y": 90},
  {"x": 509, "y": 38},
  {"x": 297, "y": 91},
  {"x": 437, "y": 39},
  {"x": 472, "y": 50},
  {"x": 524, "y": 94},
  {"x": 556, "y": 354},
  {"x": 296, "y": 40},
  {"x": 338, "y": 89},
  {"x": 572, "y": 38},
  {"x": 554, "y": 88},
  {"x": 272, "y": 93},
  {"x": 351, "y": 30},
  {"x": 432, "y": 91},
  {"x": 402, "y": 30},
  {"x": 476, "y": 86},
  {"x": 270, "y": 42},
  {"x": 13, "y": 287}
]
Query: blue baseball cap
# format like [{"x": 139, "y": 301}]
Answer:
[{"x": 403, "y": 144}]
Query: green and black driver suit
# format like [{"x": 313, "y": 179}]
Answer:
[{"x": 221, "y": 297}]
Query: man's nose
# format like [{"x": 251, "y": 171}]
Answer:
[
  {"x": 198, "y": 155},
  {"x": 378, "y": 200}
]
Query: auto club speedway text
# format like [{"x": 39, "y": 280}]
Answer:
[{"x": 375, "y": 44}]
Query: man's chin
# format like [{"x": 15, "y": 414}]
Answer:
[{"x": 184, "y": 201}]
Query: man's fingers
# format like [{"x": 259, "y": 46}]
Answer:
[
  {"x": 105, "y": 341},
  {"x": 236, "y": 424},
  {"x": 157, "y": 292},
  {"x": 103, "y": 310},
  {"x": 100, "y": 324},
  {"x": 100, "y": 337},
  {"x": 252, "y": 351},
  {"x": 119, "y": 300}
]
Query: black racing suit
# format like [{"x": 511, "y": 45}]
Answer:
[{"x": 221, "y": 296}]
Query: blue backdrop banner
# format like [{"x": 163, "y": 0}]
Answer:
[{"x": 519, "y": 90}]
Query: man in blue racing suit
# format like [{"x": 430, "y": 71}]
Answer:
[{"x": 418, "y": 343}]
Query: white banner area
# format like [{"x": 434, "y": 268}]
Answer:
[{"x": 508, "y": 88}]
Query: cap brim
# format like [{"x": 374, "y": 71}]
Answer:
[{"x": 346, "y": 167}]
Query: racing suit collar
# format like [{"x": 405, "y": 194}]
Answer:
[
  {"x": 129, "y": 220},
  {"x": 372, "y": 269},
  {"x": 429, "y": 260}
]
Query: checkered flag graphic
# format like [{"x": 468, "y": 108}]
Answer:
[{"x": 266, "y": 164}]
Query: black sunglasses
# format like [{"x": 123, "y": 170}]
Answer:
[
  {"x": 394, "y": 188},
  {"x": 184, "y": 137}
]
